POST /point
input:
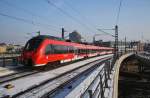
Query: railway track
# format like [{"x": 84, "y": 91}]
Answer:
[
  {"x": 17, "y": 75},
  {"x": 71, "y": 84},
  {"x": 51, "y": 85},
  {"x": 25, "y": 71},
  {"x": 28, "y": 82}
]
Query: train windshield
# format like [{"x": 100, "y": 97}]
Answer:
[{"x": 32, "y": 44}]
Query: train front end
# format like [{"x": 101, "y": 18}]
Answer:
[{"x": 31, "y": 52}]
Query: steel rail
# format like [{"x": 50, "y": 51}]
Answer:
[
  {"x": 21, "y": 74},
  {"x": 86, "y": 72},
  {"x": 15, "y": 76},
  {"x": 39, "y": 86}
]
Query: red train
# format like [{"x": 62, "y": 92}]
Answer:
[{"x": 42, "y": 50}]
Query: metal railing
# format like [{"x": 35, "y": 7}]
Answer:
[
  {"x": 9, "y": 59},
  {"x": 103, "y": 85}
]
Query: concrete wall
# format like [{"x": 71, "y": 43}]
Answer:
[{"x": 116, "y": 76}]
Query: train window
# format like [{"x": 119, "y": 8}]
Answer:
[
  {"x": 60, "y": 49},
  {"x": 79, "y": 51},
  {"x": 71, "y": 49},
  {"x": 75, "y": 50},
  {"x": 89, "y": 50},
  {"x": 57, "y": 49},
  {"x": 32, "y": 44},
  {"x": 100, "y": 50},
  {"x": 82, "y": 51},
  {"x": 64, "y": 49},
  {"x": 93, "y": 51},
  {"x": 85, "y": 51},
  {"x": 48, "y": 49}
]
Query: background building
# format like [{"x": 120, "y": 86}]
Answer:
[
  {"x": 10, "y": 48},
  {"x": 147, "y": 47},
  {"x": 123, "y": 46},
  {"x": 3, "y": 47},
  {"x": 75, "y": 36}
]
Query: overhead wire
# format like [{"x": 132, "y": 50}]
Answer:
[
  {"x": 117, "y": 19},
  {"x": 61, "y": 10},
  {"x": 75, "y": 10},
  {"x": 33, "y": 14},
  {"x": 69, "y": 15},
  {"x": 27, "y": 21},
  {"x": 87, "y": 20},
  {"x": 81, "y": 16},
  {"x": 118, "y": 12},
  {"x": 106, "y": 32},
  {"x": 28, "y": 12}
]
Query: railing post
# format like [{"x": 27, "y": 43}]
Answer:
[
  {"x": 105, "y": 75},
  {"x": 101, "y": 87},
  {"x": 90, "y": 94},
  {"x": 108, "y": 69}
]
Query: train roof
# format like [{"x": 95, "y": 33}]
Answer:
[
  {"x": 77, "y": 45},
  {"x": 42, "y": 37}
]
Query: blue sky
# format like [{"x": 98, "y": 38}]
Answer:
[{"x": 134, "y": 18}]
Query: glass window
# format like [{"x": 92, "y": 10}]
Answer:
[
  {"x": 32, "y": 44},
  {"x": 82, "y": 51},
  {"x": 60, "y": 49},
  {"x": 48, "y": 49},
  {"x": 71, "y": 49}
]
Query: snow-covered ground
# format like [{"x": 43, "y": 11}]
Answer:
[
  {"x": 91, "y": 83},
  {"x": 9, "y": 69},
  {"x": 26, "y": 82}
]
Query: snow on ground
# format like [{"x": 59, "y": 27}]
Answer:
[
  {"x": 26, "y": 82},
  {"x": 8, "y": 69}
]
